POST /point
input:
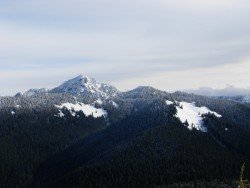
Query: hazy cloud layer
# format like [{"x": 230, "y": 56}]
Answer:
[
  {"x": 172, "y": 45},
  {"x": 228, "y": 91}
]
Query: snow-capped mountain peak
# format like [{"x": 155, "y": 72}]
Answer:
[{"x": 83, "y": 85}]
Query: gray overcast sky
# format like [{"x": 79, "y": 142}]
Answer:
[{"x": 168, "y": 44}]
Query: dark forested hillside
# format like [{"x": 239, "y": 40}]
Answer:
[
  {"x": 130, "y": 139},
  {"x": 31, "y": 132},
  {"x": 145, "y": 152},
  {"x": 158, "y": 157}
]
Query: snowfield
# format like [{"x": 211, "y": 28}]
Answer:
[
  {"x": 169, "y": 102},
  {"x": 188, "y": 112},
  {"x": 88, "y": 110}
]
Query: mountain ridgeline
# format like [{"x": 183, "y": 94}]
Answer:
[{"x": 88, "y": 134}]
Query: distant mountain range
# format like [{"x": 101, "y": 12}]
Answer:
[
  {"x": 241, "y": 95},
  {"x": 88, "y": 134},
  {"x": 228, "y": 91},
  {"x": 83, "y": 85}
]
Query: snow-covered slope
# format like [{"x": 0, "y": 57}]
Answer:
[
  {"x": 34, "y": 91},
  {"x": 83, "y": 85},
  {"x": 169, "y": 102},
  {"x": 246, "y": 99},
  {"x": 191, "y": 114},
  {"x": 88, "y": 110}
]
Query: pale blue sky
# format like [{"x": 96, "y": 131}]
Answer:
[{"x": 168, "y": 44}]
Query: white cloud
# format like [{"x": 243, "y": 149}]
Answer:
[
  {"x": 202, "y": 4},
  {"x": 236, "y": 74},
  {"x": 119, "y": 41}
]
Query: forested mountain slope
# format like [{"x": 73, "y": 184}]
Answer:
[{"x": 86, "y": 134}]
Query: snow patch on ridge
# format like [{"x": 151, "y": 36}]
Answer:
[
  {"x": 99, "y": 101},
  {"x": 191, "y": 114},
  {"x": 88, "y": 110},
  {"x": 114, "y": 104},
  {"x": 188, "y": 112},
  {"x": 169, "y": 102},
  {"x": 60, "y": 114},
  {"x": 246, "y": 99}
]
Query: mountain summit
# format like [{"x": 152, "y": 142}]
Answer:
[{"x": 83, "y": 85}]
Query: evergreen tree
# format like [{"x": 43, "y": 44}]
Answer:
[{"x": 242, "y": 183}]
